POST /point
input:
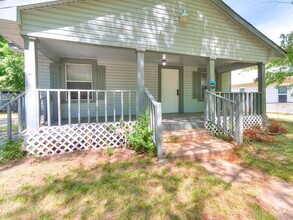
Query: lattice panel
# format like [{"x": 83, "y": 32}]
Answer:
[
  {"x": 252, "y": 120},
  {"x": 64, "y": 139},
  {"x": 248, "y": 122}
]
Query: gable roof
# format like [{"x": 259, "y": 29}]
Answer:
[
  {"x": 276, "y": 50},
  {"x": 248, "y": 26}
]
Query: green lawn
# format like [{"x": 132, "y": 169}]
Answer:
[
  {"x": 274, "y": 158},
  {"x": 91, "y": 186}
]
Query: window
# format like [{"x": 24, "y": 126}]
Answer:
[
  {"x": 242, "y": 89},
  {"x": 78, "y": 76},
  {"x": 282, "y": 93},
  {"x": 203, "y": 84}
]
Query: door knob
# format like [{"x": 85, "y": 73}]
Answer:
[{"x": 177, "y": 91}]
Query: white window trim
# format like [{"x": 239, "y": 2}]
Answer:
[
  {"x": 283, "y": 94},
  {"x": 242, "y": 88},
  {"x": 79, "y": 64}
]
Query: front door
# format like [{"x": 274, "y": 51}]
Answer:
[{"x": 170, "y": 90}]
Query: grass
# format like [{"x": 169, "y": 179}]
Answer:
[
  {"x": 11, "y": 150},
  {"x": 274, "y": 158},
  {"x": 100, "y": 187}
]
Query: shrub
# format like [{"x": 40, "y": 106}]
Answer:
[
  {"x": 276, "y": 127},
  {"x": 11, "y": 150},
  {"x": 140, "y": 138}
]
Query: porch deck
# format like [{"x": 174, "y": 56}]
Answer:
[{"x": 182, "y": 121}]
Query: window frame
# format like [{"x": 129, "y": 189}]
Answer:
[
  {"x": 283, "y": 94},
  {"x": 242, "y": 88},
  {"x": 66, "y": 78}
]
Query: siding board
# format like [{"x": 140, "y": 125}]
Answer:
[{"x": 153, "y": 25}]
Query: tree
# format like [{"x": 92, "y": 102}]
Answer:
[
  {"x": 11, "y": 68},
  {"x": 277, "y": 71}
]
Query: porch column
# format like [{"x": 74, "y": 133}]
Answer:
[
  {"x": 140, "y": 104},
  {"x": 31, "y": 71},
  {"x": 211, "y": 75},
  {"x": 262, "y": 88}
]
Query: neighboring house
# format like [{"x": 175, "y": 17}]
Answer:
[
  {"x": 279, "y": 99},
  {"x": 88, "y": 63}
]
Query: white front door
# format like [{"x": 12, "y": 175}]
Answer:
[{"x": 169, "y": 90}]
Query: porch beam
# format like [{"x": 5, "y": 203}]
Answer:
[
  {"x": 31, "y": 71},
  {"x": 140, "y": 87},
  {"x": 262, "y": 88},
  {"x": 48, "y": 52},
  {"x": 211, "y": 73},
  {"x": 234, "y": 66}
]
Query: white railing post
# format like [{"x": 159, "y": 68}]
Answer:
[
  {"x": 19, "y": 113},
  {"x": 9, "y": 122},
  {"x": 239, "y": 122},
  {"x": 159, "y": 138}
]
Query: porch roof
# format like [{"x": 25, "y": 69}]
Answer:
[{"x": 10, "y": 12}]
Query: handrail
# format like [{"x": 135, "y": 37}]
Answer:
[
  {"x": 225, "y": 114},
  {"x": 215, "y": 94},
  {"x": 76, "y": 106},
  {"x": 155, "y": 112},
  {"x": 12, "y": 101},
  {"x": 84, "y": 90},
  {"x": 19, "y": 99}
]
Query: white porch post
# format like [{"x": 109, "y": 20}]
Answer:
[
  {"x": 262, "y": 88},
  {"x": 211, "y": 75},
  {"x": 140, "y": 104},
  {"x": 31, "y": 71}
]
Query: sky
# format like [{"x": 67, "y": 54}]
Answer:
[{"x": 271, "y": 17}]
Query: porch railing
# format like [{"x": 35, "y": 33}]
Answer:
[
  {"x": 225, "y": 114},
  {"x": 251, "y": 101},
  {"x": 14, "y": 104},
  {"x": 155, "y": 111},
  {"x": 62, "y": 106}
]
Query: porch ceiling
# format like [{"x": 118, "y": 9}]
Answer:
[{"x": 55, "y": 49}]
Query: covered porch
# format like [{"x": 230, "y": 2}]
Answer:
[{"x": 80, "y": 85}]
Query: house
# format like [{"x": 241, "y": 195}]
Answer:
[
  {"x": 279, "y": 99},
  {"x": 88, "y": 64}
]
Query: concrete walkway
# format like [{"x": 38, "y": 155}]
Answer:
[{"x": 274, "y": 193}]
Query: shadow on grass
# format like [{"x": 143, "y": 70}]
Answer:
[{"x": 139, "y": 189}]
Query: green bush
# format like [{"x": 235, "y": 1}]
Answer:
[
  {"x": 140, "y": 138},
  {"x": 11, "y": 150}
]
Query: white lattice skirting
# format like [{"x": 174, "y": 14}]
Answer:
[
  {"x": 63, "y": 139},
  {"x": 248, "y": 122}
]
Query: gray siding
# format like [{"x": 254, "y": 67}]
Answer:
[
  {"x": 152, "y": 24},
  {"x": 43, "y": 72},
  {"x": 190, "y": 104},
  {"x": 225, "y": 82}
]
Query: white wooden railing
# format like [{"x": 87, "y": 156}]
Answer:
[
  {"x": 225, "y": 114},
  {"x": 251, "y": 101},
  {"x": 155, "y": 111},
  {"x": 19, "y": 100},
  {"x": 63, "y": 106}
]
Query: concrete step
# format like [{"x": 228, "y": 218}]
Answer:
[
  {"x": 169, "y": 126},
  {"x": 184, "y": 135},
  {"x": 196, "y": 144}
]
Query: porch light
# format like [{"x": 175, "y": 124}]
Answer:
[
  {"x": 13, "y": 46},
  {"x": 184, "y": 17},
  {"x": 164, "y": 62}
]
